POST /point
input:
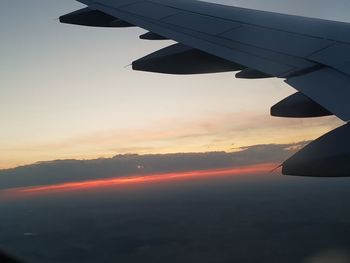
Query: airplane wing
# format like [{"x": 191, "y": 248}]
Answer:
[{"x": 311, "y": 55}]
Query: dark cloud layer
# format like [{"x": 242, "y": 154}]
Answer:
[{"x": 61, "y": 171}]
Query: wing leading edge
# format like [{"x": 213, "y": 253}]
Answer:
[{"x": 311, "y": 55}]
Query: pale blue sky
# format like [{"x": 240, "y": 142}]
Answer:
[{"x": 65, "y": 91}]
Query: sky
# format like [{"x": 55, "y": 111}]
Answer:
[
  {"x": 68, "y": 92},
  {"x": 200, "y": 186}
]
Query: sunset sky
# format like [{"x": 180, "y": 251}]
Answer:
[
  {"x": 68, "y": 92},
  {"x": 100, "y": 163}
]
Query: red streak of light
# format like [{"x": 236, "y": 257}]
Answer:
[{"x": 109, "y": 182}]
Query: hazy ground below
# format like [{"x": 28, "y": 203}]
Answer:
[{"x": 268, "y": 218}]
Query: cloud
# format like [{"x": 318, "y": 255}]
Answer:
[
  {"x": 62, "y": 171},
  {"x": 213, "y": 131}
]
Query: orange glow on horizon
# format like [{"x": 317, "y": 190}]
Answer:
[{"x": 149, "y": 178}]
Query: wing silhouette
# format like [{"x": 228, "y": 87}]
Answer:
[{"x": 311, "y": 55}]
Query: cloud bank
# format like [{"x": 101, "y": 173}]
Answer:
[{"x": 62, "y": 171}]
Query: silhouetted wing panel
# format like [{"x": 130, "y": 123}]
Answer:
[
  {"x": 278, "y": 41},
  {"x": 150, "y": 10},
  {"x": 202, "y": 23},
  {"x": 316, "y": 28},
  {"x": 336, "y": 56}
]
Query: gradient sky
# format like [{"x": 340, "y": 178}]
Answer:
[{"x": 66, "y": 91}]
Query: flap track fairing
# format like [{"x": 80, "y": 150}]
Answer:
[
  {"x": 181, "y": 59},
  {"x": 93, "y": 18}
]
